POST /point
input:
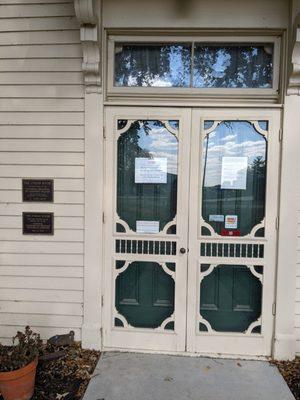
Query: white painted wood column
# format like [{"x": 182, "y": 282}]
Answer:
[
  {"x": 88, "y": 13},
  {"x": 285, "y": 340}
]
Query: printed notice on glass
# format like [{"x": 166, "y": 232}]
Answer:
[
  {"x": 151, "y": 170},
  {"x": 231, "y": 221},
  {"x": 216, "y": 218},
  {"x": 234, "y": 173},
  {"x": 147, "y": 226}
]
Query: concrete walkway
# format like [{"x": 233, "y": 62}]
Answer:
[{"x": 132, "y": 376}]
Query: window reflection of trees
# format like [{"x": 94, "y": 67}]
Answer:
[
  {"x": 232, "y": 66},
  {"x": 248, "y": 204},
  {"x": 213, "y": 66},
  {"x": 146, "y": 201},
  {"x": 153, "y": 65}
]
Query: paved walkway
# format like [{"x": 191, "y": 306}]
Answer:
[{"x": 132, "y": 376}]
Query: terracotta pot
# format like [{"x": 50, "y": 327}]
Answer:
[{"x": 18, "y": 384}]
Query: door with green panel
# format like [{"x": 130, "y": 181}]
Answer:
[
  {"x": 146, "y": 197},
  {"x": 232, "y": 231},
  {"x": 190, "y": 240}
]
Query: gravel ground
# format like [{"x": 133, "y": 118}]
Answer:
[
  {"x": 290, "y": 370},
  {"x": 66, "y": 377}
]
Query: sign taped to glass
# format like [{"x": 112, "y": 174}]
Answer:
[
  {"x": 151, "y": 170},
  {"x": 234, "y": 173}
]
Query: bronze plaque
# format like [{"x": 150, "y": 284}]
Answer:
[
  {"x": 38, "y": 223},
  {"x": 37, "y": 190}
]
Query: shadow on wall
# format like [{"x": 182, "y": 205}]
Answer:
[{"x": 182, "y": 8}]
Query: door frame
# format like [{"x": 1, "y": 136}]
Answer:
[{"x": 259, "y": 347}]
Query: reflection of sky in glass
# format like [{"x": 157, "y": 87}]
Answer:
[
  {"x": 242, "y": 66},
  {"x": 159, "y": 143},
  {"x": 214, "y": 65},
  {"x": 230, "y": 139},
  {"x": 153, "y": 65}
]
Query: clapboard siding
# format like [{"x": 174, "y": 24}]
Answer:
[
  {"x": 33, "y": 1},
  {"x": 41, "y": 51},
  {"x": 57, "y": 297},
  {"x": 38, "y": 24},
  {"x": 41, "y": 91},
  {"x": 41, "y": 132},
  {"x": 31, "y": 38},
  {"x": 36, "y": 10},
  {"x": 40, "y": 65},
  {"x": 53, "y": 259},
  {"x": 41, "y": 270},
  {"x": 61, "y": 235},
  {"x": 50, "y": 171},
  {"x": 44, "y": 308},
  {"x": 19, "y": 158},
  {"x": 40, "y": 118},
  {"x": 41, "y": 136},
  {"x": 60, "y": 210},
  {"x": 39, "y": 78},
  {"x": 47, "y": 105}
]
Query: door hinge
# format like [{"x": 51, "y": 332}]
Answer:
[
  {"x": 102, "y": 301},
  {"x": 274, "y": 308},
  {"x": 277, "y": 223},
  {"x": 104, "y": 132},
  {"x": 280, "y": 135},
  {"x": 103, "y": 218}
]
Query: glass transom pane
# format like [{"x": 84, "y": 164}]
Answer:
[
  {"x": 213, "y": 65},
  {"x": 158, "y": 65},
  {"x": 233, "y": 66}
]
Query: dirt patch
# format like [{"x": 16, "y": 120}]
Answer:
[
  {"x": 290, "y": 370},
  {"x": 67, "y": 375}
]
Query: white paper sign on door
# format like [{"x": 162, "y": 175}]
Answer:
[
  {"x": 234, "y": 173},
  {"x": 147, "y": 226},
  {"x": 151, "y": 170},
  {"x": 216, "y": 218}
]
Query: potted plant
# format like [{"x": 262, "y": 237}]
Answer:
[{"x": 18, "y": 365}]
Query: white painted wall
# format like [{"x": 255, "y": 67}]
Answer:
[{"x": 41, "y": 135}]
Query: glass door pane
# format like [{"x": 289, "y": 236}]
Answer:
[
  {"x": 147, "y": 175},
  {"x": 234, "y": 170}
]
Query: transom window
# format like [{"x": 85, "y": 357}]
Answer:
[{"x": 244, "y": 65}]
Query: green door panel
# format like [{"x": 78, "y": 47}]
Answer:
[
  {"x": 145, "y": 294},
  {"x": 230, "y": 298}
]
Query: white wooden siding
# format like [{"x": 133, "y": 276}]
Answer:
[{"x": 41, "y": 136}]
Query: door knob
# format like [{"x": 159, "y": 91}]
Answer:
[{"x": 182, "y": 250}]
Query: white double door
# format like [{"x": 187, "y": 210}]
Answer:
[{"x": 190, "y": 201}]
